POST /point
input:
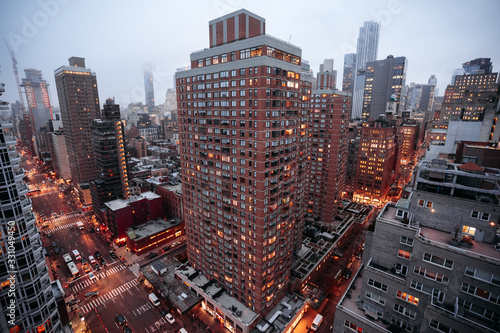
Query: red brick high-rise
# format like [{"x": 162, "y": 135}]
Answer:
[
  {"x": 376, "y": 161},
  {"x": 327, "y": 151},
  {"x": 242, "y": 139}
]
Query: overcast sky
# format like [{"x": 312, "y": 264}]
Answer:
[{"x": 117, "y": 38}]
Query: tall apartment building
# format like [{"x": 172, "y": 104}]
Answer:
[
  {"x": 37, "y": 94},
  {"x": 26, "y": 300},
  {"x": 366, "y": 51},
  {"x": 349, "y": 72},
  {"x": 149, "y": 90},
  {"x": 383, "y": 79},
  {"x": 327, "y": 150},
  {"x": 431, "y": 263},
  {"x": 470, "y": 98},
  {"x": 109, "y": 146},
  {"x": 377, "y": 157},
  {"x": 242, "y": 135},
  {"x": 79, "y": 103}
]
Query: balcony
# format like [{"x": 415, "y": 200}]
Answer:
[
  {"x": 384, "y": 272},
  {"x": 22, "y": 188}
]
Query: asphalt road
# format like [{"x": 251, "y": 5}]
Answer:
[{"x": 119, "y": 289}]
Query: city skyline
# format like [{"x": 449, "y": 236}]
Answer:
[{"x": 440, "y": 25}]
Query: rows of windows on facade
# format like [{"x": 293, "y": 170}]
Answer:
[{"x": 266, "y": 148}]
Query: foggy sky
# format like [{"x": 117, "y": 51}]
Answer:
[{"x": 118, "y": 38}]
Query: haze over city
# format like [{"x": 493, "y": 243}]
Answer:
[{"x": 117, "y": 38}]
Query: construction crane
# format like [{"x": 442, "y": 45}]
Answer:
[{"x": 14, "y": 65}]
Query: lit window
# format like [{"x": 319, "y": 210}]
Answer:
[{"x": 404, "y": 254}]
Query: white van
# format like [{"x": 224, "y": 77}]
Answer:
[
  {"x": 154, "y": 299},
  {"x": 317, "y": 322},
  {"x": 67, "y": 257},
  {"x": 77, "y": 255},
  {"x": 183, "y": 330}
]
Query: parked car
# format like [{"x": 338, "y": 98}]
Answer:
[
  {"x": 57, "y": 250},
  {"x": 49, "y": 235},
  {"x": 170, "y": 318}
]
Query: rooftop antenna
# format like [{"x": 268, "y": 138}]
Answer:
[
  {"x": 14, "y": 66},
  {"x": 289, "y": 39}
]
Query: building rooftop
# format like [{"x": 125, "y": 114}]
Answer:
[
  {"x": 116, "y": 204},
  {"x": 280, "y": 315},
  {"x": 150, "y": 195},
  {"x": 443, "y": 239},
  {"x": 150, "y": 228},
  {"x": 173, "y": 188},
  {"x": 350, "y": 301},
  {"x": 179, "y": 294},
  {"x": 217, "y": 294}
]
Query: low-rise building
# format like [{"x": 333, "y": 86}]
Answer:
[
  {"x": 153, "y": 234},
  {"x": 122, "y": 214}
]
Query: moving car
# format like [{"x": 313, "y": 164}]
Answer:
[
  {"x": 154, "y": 299},
  {"x": 77, "y": 255},
  {"x": 111, "y": 253},
  {"x": 86, "y": 268},
  {"x": 103, "y": 263},
  {"x": 126, "y": 329},
  {"x": 92, "y": 260},
  {"x": 170, "y": 318},
  {"x": 91, "y": 294},
  {"x": 92, "y": 276},
  {"x": 97, "y": 254},
  {"x": 120, "y": 319},
  {"x": 57, "y": 250}
]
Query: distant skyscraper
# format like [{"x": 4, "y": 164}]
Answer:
[
  {"x": 79, "y": 103},
  {"x": 108, "y": 138},
  {"x": 25, "y": 290},
  {"x": 349, "y": 72},
  {"x": 478, "y": 66},
  {"x": 37, "y": 94},
  {"x": 384, "y": 78},
  {"x": 149, "y": 89},
  {"x": 327, "y": 77},
  {"x": 367, "y": 47},
  {"x": 366, "y": 51},
  {"x": 433, "y": 80},
  {"x": 326, "y": 66},
  {"x": 242, "y": 139}
]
